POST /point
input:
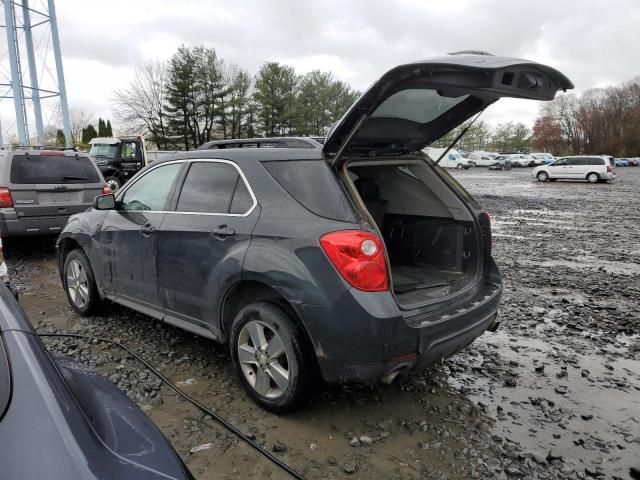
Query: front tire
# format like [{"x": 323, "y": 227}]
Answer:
[
  {"x": 267, "y": 350},
  {"x": 459, "y": 166},
  {"x": 113, "y": 183},
  {"x": 542, "y": 176},
  {"x": 80, "y": 284},
  {"x": 593, "y": 177}
]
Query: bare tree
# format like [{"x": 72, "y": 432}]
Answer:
[
  {"x": 79, "y": 121},
  {"x": 140, "y": 107}
]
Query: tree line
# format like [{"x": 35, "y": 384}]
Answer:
[
  {"x": 503, "y": 137},
  {"x": 196, "y": 97},
  {"x": 600, "y": 121}
]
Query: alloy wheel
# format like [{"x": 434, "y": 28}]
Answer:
[
  {"x": 113, "y": 184},
  {"x": 77, "y": 283},
  {"x": 264, "y": 359}
]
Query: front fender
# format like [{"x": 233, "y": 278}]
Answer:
[{"x": 82, "y": 230}]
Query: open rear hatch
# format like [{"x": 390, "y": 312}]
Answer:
[{"x": 434, "y": 232}]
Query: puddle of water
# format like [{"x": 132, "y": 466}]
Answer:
[{"x": 547, "y": 412}]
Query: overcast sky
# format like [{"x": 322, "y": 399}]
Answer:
[{"x": 595, "y": 43}]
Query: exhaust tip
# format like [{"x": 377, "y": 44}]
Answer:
[{"x": 391, "y": 376}]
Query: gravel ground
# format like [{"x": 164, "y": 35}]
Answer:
[{"x": 555, "y": 393}]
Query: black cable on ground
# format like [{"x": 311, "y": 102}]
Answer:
[{"x": 195, "y": 403}]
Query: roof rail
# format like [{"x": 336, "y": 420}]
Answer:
[{"x": 36, "y": 147}]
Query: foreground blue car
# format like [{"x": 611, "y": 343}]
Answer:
[{"x": 61, "y": 421}]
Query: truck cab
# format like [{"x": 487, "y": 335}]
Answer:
[{"x": 118, "y": 158}]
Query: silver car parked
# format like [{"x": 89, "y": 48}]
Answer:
[{"x": 40, "y": 189}]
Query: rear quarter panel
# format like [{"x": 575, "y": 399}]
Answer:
[{"x": 285, "y": 251}]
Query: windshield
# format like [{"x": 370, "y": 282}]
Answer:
[{"x": 103, "y": 150}]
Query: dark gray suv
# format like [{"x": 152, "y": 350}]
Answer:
[
  {"x": 354, "y": 262},
  {"x": 40, "y": 189}
]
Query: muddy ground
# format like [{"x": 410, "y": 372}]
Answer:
[{"x": 555, "y": 393}]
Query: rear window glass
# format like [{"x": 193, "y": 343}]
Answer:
[
  {"x": 212, "y": 187},
  {"x": 595, "y": 161},
  {"x": 312, "y": 184},
  {"x": 418, "y": 105},
  {"x": 53, "y": 169}
]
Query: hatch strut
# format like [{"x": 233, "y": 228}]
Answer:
[
  {"x": 346, "y": 141},
  {"x": 460, "y": 135}
]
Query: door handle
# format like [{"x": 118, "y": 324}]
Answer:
[
  {"x": 147, "y": 229},
  {"x": 223, "y": 231}
]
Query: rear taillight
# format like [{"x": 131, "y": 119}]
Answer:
[
  {"x": 106, "y": 190},
  {"x": 5, "y": 198},
  {"x": 359, "y": 258},
  {"x": 609, "y": 169}
]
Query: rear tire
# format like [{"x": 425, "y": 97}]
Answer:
[
  {"x": 268, "y": 352},
  {"x": 80, "y": 284},
  {"x": 593, "y": 177},
  {"x": 542, "y": 176}
]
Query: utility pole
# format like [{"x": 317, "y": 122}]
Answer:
[
  {"x": 32, "y": 19},
  {"x": 16, "y": 73},
  {"x": 33, "y": 71}
]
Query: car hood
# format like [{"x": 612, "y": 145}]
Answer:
[{"x": 414, "y": 104}]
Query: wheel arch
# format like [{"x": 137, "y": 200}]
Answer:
[
  {"x": 65, "y": 245},
  {"x": 594, "y": 172},
  {"x": 245, "y": 292}
]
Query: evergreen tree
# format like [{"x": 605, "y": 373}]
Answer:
[
  {"x": 101, "y": 128},
  {"x": 275, "y": 95},
  {"x": 180, "y": 97},
  {"x": 108, "y": 131},
  {"x": 88, "y": 134},
  {"x": 60, "y": 139}
]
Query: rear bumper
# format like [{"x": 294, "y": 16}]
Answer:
[
  {"x": 364, "y": 337},
  {"x": 20, "y": 227}
]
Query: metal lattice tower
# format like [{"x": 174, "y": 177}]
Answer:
[{"x": 21, "y": 21}]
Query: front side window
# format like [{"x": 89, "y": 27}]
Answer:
[
  {"x": 128, "y": 151},
  {"x": 151, "y": 191},
  {"x": 214, "y": 187}
]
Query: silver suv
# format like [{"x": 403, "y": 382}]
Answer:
[{"x": 40, "y": 189}]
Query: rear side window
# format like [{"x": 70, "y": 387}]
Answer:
[
  {"x": 53, "y": 169},
  {"x": 214, "y": 187},
  {"x": 595, "y": 161},
  {"x": 312, "y": 184}
]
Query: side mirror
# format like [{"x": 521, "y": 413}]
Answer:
[{"x": 105, "y": 202}]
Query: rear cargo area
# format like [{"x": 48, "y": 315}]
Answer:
[{"x": 430, "y": 235}]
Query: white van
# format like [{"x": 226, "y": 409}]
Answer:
[
  {"x": 593, "y": 168},
  {"x": 453, "y": 159}
]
